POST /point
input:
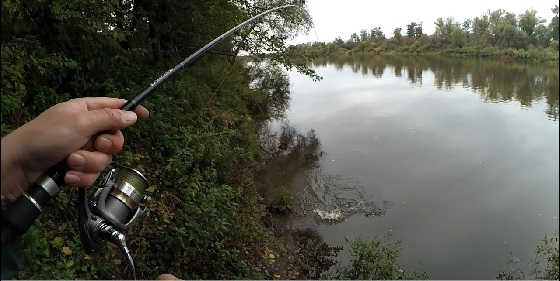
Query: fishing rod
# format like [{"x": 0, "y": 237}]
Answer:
[
  {"x": 148, "y": 91},
  {"x": 119, "y": 199}
]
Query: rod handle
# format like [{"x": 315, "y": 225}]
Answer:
[{"x": 20, "y": 214}]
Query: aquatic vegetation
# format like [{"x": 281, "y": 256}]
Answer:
[
  {"x": 374, "y": 259},
  {"x": 544, "y": 265}
]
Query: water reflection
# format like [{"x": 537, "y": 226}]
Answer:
[
  {"x": 294, "y": 165},
  {"x": 461, "y": 146},
  {"x": 494, "y": 81}
]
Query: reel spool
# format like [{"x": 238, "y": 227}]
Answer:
[{"x": 117, "y": 203}]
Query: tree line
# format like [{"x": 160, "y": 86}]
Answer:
[{"x": 494, "y": 33}]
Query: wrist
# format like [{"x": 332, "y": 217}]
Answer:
[{"x": 13, "y": 175}]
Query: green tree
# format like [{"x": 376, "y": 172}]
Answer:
[
  {"x": 338, "y": 41},
  {"x": 467, "y": 25},
  {"x": 504, "y": 30},
  {"x": 364, "y": 35},
  {"x": 555, "y": 24},
  {"x": 269, "y": 38},
  {"x": 542, "y": 35},
  {"x": 418, "y": 33},
  {"x": 496, "y": 20},
  {"x": 376, "y": 34},
  {"x": 397, "y": 34},
  {"x": 411, "y": 30},
  {"x": 528, "y": 22},
  {"x": 481, "y": 30},
  {"x": 354, "y": 38},
  {"x": 442, "y": 33},
  {"x": 449, "y": 33}
]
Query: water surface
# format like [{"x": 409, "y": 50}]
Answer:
[{"x": 466, "y": 151}]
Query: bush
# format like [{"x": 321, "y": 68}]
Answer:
[
  {"x": 544, "y": 266},
  {"x": 374, "y": 259},
  {"x": 283, "y": 202},
  {"x": 554, "y": 45}
]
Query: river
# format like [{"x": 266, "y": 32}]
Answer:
[{"x": 461, "y": 155}]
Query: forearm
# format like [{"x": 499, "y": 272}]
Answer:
[{"x": 13, "y": 178}]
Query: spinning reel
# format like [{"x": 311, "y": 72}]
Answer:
[{"x": 117, "y": 203}]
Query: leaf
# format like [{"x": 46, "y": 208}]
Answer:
[
  {"x": 57, "y": 241},
  {"x": 66, "y": 251},
  {"x": 151, "y": 189}
]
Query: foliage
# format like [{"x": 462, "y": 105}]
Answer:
[
  {"x": 499, "y": 29},
  {"x": 199, "y": 144},
  {"x": 282, "y": 202},
  {"x": 555, "y": 25},
  {"x": 543, "y": 267},
  {"x": 528, "y": 22},
  {"x": 316, "y": 256},
  {"x": 52, "y": 247},
  {"x": 374, "y": 260}
]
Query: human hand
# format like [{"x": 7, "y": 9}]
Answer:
[
  {"x": 66, "y": 130},
  {"x": 167, "y": 276}
]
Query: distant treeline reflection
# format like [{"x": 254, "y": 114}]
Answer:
[{"x": 495, "y": 81}]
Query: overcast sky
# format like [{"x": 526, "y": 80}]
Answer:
[{"x": 333, "y": 18}]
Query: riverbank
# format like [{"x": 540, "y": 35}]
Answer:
[
  {"x": 549, "y": 55},
  {"x": 533, "y": 55}
]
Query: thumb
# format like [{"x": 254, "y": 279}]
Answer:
[{"x": 107, "y": 119}]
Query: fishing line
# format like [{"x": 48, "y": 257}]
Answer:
[{"x": 316, "y": 35}]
